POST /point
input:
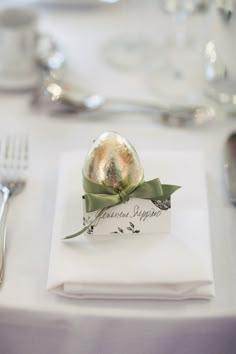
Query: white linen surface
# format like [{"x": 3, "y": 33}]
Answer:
[{"x": 176, "y": 266}]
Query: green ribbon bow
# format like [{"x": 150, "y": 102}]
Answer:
[{"x": 100, "y": 197}]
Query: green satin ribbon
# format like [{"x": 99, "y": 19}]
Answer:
[{"x": 100, "y": 197}]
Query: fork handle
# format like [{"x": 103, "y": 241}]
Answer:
[{"x": 3, "y": 218}]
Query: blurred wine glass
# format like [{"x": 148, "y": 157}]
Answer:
[
  {"x": 130, "y": 49},
  {"x": 178, "y": 64},
  {"x": 220, "y": 55}
]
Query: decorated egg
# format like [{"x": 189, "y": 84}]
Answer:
[{"x": 112, "y": 161}]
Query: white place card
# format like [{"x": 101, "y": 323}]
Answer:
[{"x": 136, "y": 216}]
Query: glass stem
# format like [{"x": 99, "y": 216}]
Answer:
[
  {"x": 181, "y": 29},
  {"x": 132, "y": 14}
]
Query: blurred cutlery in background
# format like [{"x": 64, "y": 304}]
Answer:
[
  {"x": 59, "y": 98},
  {"x": 230, "y": 167}
]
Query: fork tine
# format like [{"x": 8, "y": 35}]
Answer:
[
  {"x": 4, "y": 153},
  {"x": 19, "y": 147},
  {"x": 13, "y": 147},
  {"x": 7, "y": 147},
  {"x": 25, "y": 151},
  {"x": 10, "y": 150}
]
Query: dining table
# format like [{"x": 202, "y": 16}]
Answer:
[{"x": 34, "y": 320}]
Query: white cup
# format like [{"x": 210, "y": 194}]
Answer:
[{"x": 18, "y": 48}]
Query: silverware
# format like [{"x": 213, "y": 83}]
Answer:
[
  {"x": 230, "y": 167},
  {"x": 57, "y": 97},
  {"x": 13, "y": 165},
  {"x": 50, "y": 57}
]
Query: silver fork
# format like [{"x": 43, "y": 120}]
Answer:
[{"x": 14, "y": 151}]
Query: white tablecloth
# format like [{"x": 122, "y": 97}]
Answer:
[{"x": 35, "y": 321}]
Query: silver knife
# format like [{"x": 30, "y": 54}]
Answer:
[{"x": 230, "y": 167}]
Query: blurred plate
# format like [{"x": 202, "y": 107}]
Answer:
[{"x": 76, "y": 2}]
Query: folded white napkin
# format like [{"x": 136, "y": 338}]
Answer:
[{"x": 176, "y": 266}]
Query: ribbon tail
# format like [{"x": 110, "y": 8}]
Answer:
[
  {"x": 86, "y": 227},
  {"x": 168, "y": 190},
  {"x": 78, "y": 233}
]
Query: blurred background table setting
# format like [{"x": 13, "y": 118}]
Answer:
[{"x": 162, "y": 74}]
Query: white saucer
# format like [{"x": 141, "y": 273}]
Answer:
[{"x": 71, "y": 2}]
